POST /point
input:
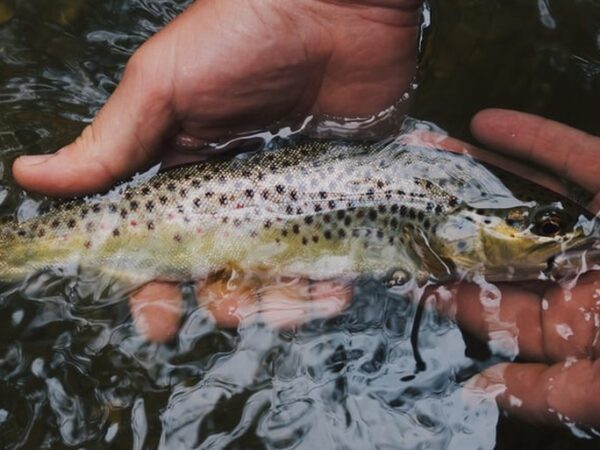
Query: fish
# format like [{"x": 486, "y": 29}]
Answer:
[{"x": 317, "y": 210}]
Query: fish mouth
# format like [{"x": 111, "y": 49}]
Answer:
[{"x": 574, "y": 261}]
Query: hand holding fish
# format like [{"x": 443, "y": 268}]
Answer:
[
  {"x": 225, "y": 68},
  {"x": 556, "y": 328}
]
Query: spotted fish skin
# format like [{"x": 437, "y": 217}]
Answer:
[{"x": 319, "y": 210}]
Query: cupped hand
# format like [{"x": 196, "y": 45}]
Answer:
[
  {"x": 554, "y": 329},
  {"x": 229, "y": 67}
]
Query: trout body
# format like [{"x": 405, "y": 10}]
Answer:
[{"x": 319, "y": 211}]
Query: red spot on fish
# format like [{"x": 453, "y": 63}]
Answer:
[
  {"x": 170, "y": 216},
  {"x": 134, "y": 223},
  {"x": 87, "y": 244},
  {"x": 239, "y": 206},
  {"x": 199, "y": 230},
  {"x": 103, "y": 226}
]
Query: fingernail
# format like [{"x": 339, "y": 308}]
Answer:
[{"x": 33, "y": 160}]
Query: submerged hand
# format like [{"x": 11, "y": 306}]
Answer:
[
  {"x": 225, "y": 67},
  {"x": 555, "y": 328}
]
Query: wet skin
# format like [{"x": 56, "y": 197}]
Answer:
[{"x": 190, "y": 94}]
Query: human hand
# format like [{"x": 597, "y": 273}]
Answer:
[
  {"x": 228, "y": 67},
  {"x": 555, "y": 328}
]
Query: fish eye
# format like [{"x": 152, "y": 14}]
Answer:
[{"x": 548, "y": 222}]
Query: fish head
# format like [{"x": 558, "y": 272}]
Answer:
[{"x": 528, "y": 241}]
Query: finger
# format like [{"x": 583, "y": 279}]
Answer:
[
  {"x": 506, "y": 316},
  {"x": 123, "y": 139},
  {"x": 282, "y": 304},
  {"x": 291, "y": 303},
  {"x": 566, "y": 151},
  {"x": 441, "y": 141},
  {"x": 157, "y": 310},
  {"x": 566, "y": 392}
]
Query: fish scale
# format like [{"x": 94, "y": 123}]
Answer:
[{"x": 318, "y": 210}]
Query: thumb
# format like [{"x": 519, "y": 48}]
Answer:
[{"x": 124, "y": 138}]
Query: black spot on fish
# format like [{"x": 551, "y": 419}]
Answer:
[
  {"x": 279, "y": 189},
  {"x": 209, "y": 194},
  {"x": 394, "y": 223},
  {"x": 420, "y": 216},
  {"x": 308, "y": 220},
  {"x": 112, "y": 208},
  {"x": 177, "y": 238},
  {"x": 342, "y": 233},
  {"x": 327, "y": 234},
  {"x": 347, "y": 221},
  {"x": 293, "y": 195},
  {"x": 71, "y": 223},
  {"x": 150, "y": 206},
  {"x": 265, "y": 194},
  {"x": 394, "y": 208},
  {"x": 150, "y": 225},
  {"x": 116, "y": 232},
  {"x": 249, "y": 193},
  {"x": 237, "y": 222},
  {"x": 453, "y": 201},
  {"x": 439, "y": 209},
  {"x": 428, "y": 184},
  {"x": 331, "y": 204},
  {"x": 379, "y": 234},
  {"x": 304, "y": 241},
  {"x": 268, "y": 224},
  {"x": 146, "y": 190},
  {"x": 21, "y": 233},
  {"x": 326, "y": 218},
  {"x": 323, "y": 194},
  {"x": 296, "y": 228},
  {"x": 183, "y": 193},
  {"x": 382, "y": 209},
  {"x": 426, "y": 224},
  {"x": 341, "y": 214},
  {"x": 372, "y": 214},
  {"x": 207, "y": 177},
  {"x": 391, "y": 240},
  {"x": 128, "y": 195},
  {"x": 223, "y": 199},
  {"x": 83, "y": 213},
  {"x": 315, "y": 239},
  {"x": 96, "y": 208},
  {"x": 163, "y": 200},
  {"x": 55, "y": 223},
  {"x": 380, "y": 184},
  {"x": 412, "y": 214},
  {"x": 124, "y": 213},
  {"x": 284, "y": 233},
  {"x": 196, "y": 183},
  {"x": 318, "y": 207},
  {"x": 225, "y": 219},
  {"x": 133, "y": 205},
  {"x": 41, "y": 232}
]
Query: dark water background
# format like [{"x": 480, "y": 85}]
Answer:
[{"x": 73, "y": 374}]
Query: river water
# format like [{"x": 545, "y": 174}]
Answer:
[{"x": 73, "y": 372}]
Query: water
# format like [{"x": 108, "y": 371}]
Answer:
[{"x": 75, "y": 375}]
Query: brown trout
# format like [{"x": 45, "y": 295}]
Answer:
[{"x": 321, "y": 210}]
